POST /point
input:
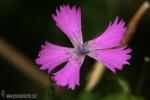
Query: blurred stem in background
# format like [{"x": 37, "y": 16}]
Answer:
[
  {"x": 98, "y": 70},
  {"x": 143, "y": 76},
  {"x": 23, "y": 64}
]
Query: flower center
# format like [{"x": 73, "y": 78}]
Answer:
[{"x": 83, "y": 50}]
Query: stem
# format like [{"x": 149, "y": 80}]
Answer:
[
  {"x": 142, "y": 77},
  {"x": 50, "y": 92},
  {"x": 23, "y": 64},
  {"x": 132, "y": 25}
]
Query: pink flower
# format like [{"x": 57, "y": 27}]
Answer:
[{"x": 101, "y": 48}]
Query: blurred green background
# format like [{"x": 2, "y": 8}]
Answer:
[{"x": 26, "y": 24}]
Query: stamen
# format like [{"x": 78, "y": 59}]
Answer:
[{"x": 83, "y": 49}]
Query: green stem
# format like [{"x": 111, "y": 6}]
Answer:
[{"x": 50, "y": 92}]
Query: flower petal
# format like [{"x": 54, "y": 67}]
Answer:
[
  {"x": 69, "y": 21},
  {"x": 70, "y": 74},
  {"x": 111, "y": 37},
  {"x": 112, "y": 58},
  {"x": 52, "y": 55}
]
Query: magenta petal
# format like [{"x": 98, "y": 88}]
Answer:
[
  {"x": 112, "y": 59},
  {"x": 52, "y": 55},
  {"x": 69, "y": 21},
  {"x": 111, "y": 37},
  {"x": 70, "y": 74}
]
